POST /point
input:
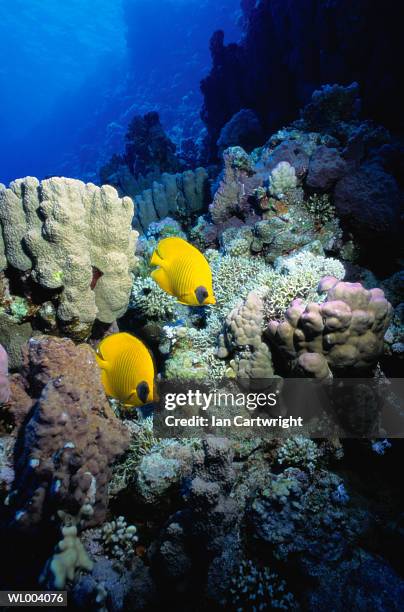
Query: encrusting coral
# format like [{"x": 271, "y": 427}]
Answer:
[
  {"x": 70, "y": 440},
  {"x": 74, "y": 240}
]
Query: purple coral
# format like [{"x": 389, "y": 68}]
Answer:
[{"x": 4, "y": 381}]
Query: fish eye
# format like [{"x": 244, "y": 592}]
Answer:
[
  {"x": 201, "y": 294},
  {"x": 143, "y": 390}
]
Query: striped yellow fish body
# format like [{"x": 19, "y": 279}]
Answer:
[
  {"x": 127, "y": 369},
  {"x": 183, "y": 272}
]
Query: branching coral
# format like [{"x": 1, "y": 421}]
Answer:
[
  {"x": 148, "y": 301},
  {"x": 298, "y": 452},
  {"x": 320, "y": 208},
  {"x": 258, "y": 588},
  {"x": 119, "y": 539},
  {"x": 69, "y": 556}
]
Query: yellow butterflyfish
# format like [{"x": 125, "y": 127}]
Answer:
[
  {"x": 127, "y": 369},
  {"x": 183, "y": 272}
]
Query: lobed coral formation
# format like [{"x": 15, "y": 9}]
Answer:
[
  {"x": 242, "y": 336},
  {"x": 69, "y": 557},
  {"x": 282, "y": 179},
  {"x": 242, "y": 333},
  {"x": 74, "y": 241},
  {"x": 70, "y": 439},
  {"x": 183, "y": 194},
  {"x": 346, "y": 330}
]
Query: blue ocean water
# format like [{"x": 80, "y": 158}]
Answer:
[{"x": 73, "y": 74}]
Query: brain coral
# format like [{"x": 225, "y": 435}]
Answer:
[
  {"x": 73, "y": 238},
  {"x": 70, "y": 438},
  {"x": 346, "y": 330}
]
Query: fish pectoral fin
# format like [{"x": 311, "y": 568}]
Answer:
[
  {"x": 156, "y": 259},
  {"x": 104, "y": 365},
  {"x": 106, "y": 384},
  {"x": 162, "y": 280}
]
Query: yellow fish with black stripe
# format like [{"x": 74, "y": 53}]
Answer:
[
  {"x": 183, "y": 272},
  {"x": 127, "y": 369}
]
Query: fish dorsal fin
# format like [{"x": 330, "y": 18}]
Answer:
[
  {"x": 111, "y": 347},
  {"x": 172, "y": 247}
]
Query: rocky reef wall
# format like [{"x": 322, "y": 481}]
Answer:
[{"x": 291, "y": 48}]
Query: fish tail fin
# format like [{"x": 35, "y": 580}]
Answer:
[{"x": 161, "y": 278}]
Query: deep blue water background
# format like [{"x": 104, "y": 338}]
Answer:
[{"x": 73, "y": 74}]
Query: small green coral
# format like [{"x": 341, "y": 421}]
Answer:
[
  {"x": 298, "y": 452},
  {"x": 119, "y": 539},
  {"x": 19, "y": 308},
  {"x": 282, "y": 179},
  {"x": 320, "y": 208}
]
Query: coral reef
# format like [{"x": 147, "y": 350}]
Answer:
[
  {"x": 242, "y": 336},
  {"x": 293, "y": 515},
  {"x": 69, "y": 441},
  {"x": 148, "y": 153},
  {"x": 243, "y": 333},
  {"x": 230, "y": 198},
  {"x": 75, "y": 243},
  {"x": 347, "y": 329},
  {"x": 204, "y": 528}
]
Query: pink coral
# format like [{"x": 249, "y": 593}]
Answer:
[
  {"x": 346, "y": 330},
  {"x": 4, "y": 381}
]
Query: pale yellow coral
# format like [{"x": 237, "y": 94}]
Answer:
[{"x": 72, "y": 236}]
